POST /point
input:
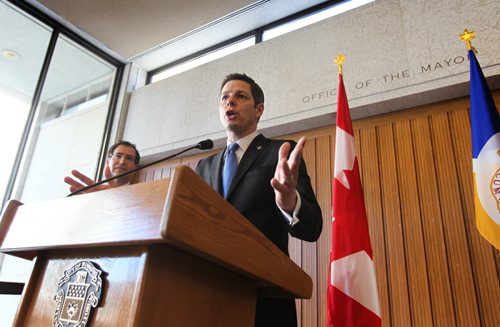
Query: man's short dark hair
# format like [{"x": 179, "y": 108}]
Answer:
[
  {"x": 257, "y": 93},
  {"x": 112, "y": 149}
]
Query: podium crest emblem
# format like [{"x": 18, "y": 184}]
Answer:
[{"x": 78, "y": 291}]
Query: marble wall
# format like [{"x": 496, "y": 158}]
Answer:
[{"x": 399, "y": 54}]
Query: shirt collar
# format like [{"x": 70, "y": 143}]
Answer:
[{"x": 244, "y": 142}]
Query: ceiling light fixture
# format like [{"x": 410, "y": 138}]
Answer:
[{"x": 11, "y": 54}]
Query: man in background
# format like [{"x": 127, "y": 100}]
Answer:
[
  {"x": 121, "y": 158},
  {"x": 269, "y": 185}
]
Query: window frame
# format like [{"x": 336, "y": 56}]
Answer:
[{"x": 57, "y": 30}]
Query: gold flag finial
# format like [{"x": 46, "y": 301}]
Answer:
[
  {"x": 340, "y": 61},
  {"x": 467, "y": 37}
]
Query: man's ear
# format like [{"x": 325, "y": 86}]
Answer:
[{"x": 259, "y": 110}]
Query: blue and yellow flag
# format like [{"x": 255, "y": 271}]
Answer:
[{"x": 485, "y": 127}]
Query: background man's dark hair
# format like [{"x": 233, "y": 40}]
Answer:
[
  {"x": 126, "y": 143},
  {"x": 257, "y": 93}
]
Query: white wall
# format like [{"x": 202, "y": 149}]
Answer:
[
  {"x": 400, "y": 54},
  {"x": 69, "y": 142}
]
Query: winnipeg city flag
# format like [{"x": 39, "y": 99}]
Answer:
[
  {"x": 352, "y": 297},
  {"x": 485, "y": 129}
]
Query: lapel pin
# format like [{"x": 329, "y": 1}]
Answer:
[{"x": 259, "y": 147}]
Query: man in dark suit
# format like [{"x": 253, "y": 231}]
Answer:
[{"x": 270, "y": 187}]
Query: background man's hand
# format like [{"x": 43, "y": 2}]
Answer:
[{"x": 84, "y": 181}]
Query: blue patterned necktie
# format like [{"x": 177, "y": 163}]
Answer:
[{"x": 230, "y": 166}]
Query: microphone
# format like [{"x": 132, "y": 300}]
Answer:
[
  {"x": 202, "y": 145},
  {"x": 205, "y": 145}
]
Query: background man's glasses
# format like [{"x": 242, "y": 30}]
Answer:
[{"x": 119, "y": 156}]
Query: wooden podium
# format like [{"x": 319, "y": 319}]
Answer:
[{"x": 172, "y": 253}]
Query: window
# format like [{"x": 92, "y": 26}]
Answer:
[
  {"x": 265, "y": 33},
  {"x": 55, "y": 100},
  {"x": 69, "y": 124},
  {"x": 20, "y": 66},
  {"x": 203, "y": 59},
  {"x": 312, "y": 18}
]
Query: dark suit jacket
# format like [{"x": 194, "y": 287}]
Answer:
[{"x": 252, "y": 194}]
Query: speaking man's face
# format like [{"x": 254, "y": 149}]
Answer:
[{"x": 237, "y": 110}]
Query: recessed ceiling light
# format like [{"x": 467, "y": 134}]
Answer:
[{"x": 11, "y": 54}]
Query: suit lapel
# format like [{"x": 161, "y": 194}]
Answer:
[
  {"x": 216, "y": 171},
  {"x": 251, "y": 154}
]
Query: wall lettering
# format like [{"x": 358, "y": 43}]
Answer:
[
  {"x": 360, "y": 85},
  {"x": 388, "y": 78},
  {"x": 444, "y": 64},
  {"x": 319, "y": 95}
]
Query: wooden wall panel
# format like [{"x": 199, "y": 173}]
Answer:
[
  {"x": 395, "y": 247},
  {"x": 433, "y": 268},
  {"x": 296, "y": 253},
  {"x": 459, "y": 262},
  {"x": 370, "y": 169},
  {"x": 435, "y": 250},
  {"x": 323, "y": 189},
  {"x": 417, "y": 272},
  {"x": 309, "y": 261}
]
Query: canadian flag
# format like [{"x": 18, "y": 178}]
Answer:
[{"x": 352, "y": 296}]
